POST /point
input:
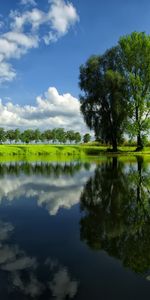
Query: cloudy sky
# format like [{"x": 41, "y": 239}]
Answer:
[{"x": 42, "y": 45}]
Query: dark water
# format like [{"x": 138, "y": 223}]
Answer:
[{"x": 75, "y": 230}]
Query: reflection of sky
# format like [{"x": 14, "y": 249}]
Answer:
[
  {"x": 51, "y": 192},
  {"x": 15, "y": 262}
]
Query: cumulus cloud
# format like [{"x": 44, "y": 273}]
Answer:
[
  {"x": 51, "y": 110},
  {"x": 25, "y": 31}
]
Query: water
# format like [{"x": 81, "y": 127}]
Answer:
[{"x": 75, "y": 230}]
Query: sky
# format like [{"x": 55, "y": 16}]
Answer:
[{"x": 42, "y": 45}]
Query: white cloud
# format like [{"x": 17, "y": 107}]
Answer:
[
  {"x": 51, "y": 110},
  {"x": 28, "y": 2},
  {"x": 61, "y": 16},
  {"x": 7, "y": 73},
  {"x": 25, "y": 31},
  {"x": 1, "y": 24}
]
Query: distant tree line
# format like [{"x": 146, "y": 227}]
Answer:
[{"x": 56, "y": 135}]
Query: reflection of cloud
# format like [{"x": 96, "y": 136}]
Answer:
[
  {"x": 53, "y": 192},
  {"x": 5, "y": 230},
  {"x": 15, "y": 262},
  {"x": 7, "y": 254},
  {"x": 19, "y": 264},
  {"x": 32, "y": 288},
  {"x": 62, "y": 286}
]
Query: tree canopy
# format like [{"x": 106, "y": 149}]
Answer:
[
  {"x": 104, "y": 102},
  {"x": 115, "y": 89},
  {"x": 135, "y": 56}
]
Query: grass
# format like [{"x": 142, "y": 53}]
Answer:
[{"x": 66, "y": 151}]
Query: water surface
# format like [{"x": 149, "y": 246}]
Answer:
[{"x": 75, "y": 230}]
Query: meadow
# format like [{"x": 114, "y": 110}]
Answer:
[{"x": 67, "y": 151}]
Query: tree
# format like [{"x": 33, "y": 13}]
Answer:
[
  {"x": 77, "y": 137},
  {"x": 60, "y": 135},
  {"x": 27, "y": 136},
  {"x": 2, "y": 135},
  {"x": 16, "y": 135},
  {"x": 70, "y": 135},
  {"x": 47, "y": 135},
  {"x": 10, "y": 135},
  {"x": 104, "y": 101},
  {"x": 86, "y": 138},
  {"x": 37, "y": 135},
  {"x": 135, "y": 56}
]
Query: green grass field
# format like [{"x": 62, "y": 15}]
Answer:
[{"x": 67, "y": 151}]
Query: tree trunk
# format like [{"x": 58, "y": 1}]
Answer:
[
  {"x": 114, "y": 145},
  {"x": 140, "y": 145}
]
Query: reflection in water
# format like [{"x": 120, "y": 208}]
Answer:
[
  {"x": 116, "y": 213},
  {"x": 40, "y": 249},
  {"x": 53, "y": 185},
  {"x": 23, "y": 272}
]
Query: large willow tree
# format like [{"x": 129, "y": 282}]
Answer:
[
  {"x": 104, "y": 98},
  {"x": 116, "y": 90}
]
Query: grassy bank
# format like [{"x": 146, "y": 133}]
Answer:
[{"x": 64, "y": 150}]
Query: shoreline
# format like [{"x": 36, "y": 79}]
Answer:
[{"x": 65, "y": 152}]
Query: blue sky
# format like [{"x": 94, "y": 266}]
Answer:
[{"x": 90, "y": 27}]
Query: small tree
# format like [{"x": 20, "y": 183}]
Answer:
[
  {"x": 70, "y": 135},
  {"x": 77, "y": 137},
  {"x": 86, "y": 138},
  {"x": 37, "y": 135},
  {"x": 10, "y": 135},
  {"x": 17, "y": 135},
  {"x": 2, "y": 135}
]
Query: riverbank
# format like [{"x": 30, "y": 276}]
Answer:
[{"x": 65, "y": 150}]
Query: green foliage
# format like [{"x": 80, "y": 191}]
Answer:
[
  {"x": 56, "y": 135},
  {"x": 116, "y": 91},
  {"x": 86, "y": 138},
  {"x": 135, "y": 56},
  {"x": 104, "y": 101},
  {"x": 2, "y": 135},
  {"x": 77, "y": 137}
]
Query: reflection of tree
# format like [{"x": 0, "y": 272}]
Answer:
[
  {"x": 116, "y": 213},
  {"x": 55, "y": 169}
]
